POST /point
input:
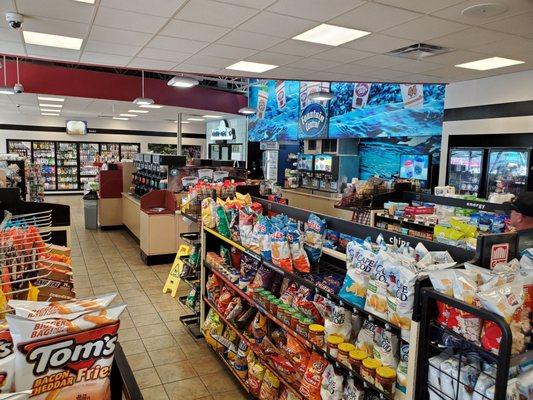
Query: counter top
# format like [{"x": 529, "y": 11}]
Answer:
[
  {"x": 335, "y": 198},
  {"x": 131, "y": 197}
]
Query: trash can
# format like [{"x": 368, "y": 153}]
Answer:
[{"x": 90, "y": 210}]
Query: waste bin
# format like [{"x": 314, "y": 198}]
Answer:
[{"x": 90, "y": 210}]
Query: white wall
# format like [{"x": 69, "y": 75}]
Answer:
[
  {"x": 21, "y": 119},
  {"x": 495, "y": 90}
]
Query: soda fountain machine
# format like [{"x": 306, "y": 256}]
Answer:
[
  {"x": 305, "y": 171},
  {"x": 333, "y": 172}
]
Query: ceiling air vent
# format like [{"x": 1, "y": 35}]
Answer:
[{"x": 419, "y": 51}]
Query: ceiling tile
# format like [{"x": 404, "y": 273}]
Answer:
[
  {"x": 456, "y": 57},
  {"x": 268, "y": 57},
  {"x": 290, "y": 73},
  {"x": 221, "y": 50},
  {"x": 210, "y": 61},
  {"x": 352, "y": 69},
  {"x": 103, "y": 34},
  {"x": 52, "y": 53},
  {"x": 381, "y": 61},
  {"x": 469, "y": 38},
  {"x": 197, "y": 69},
  {"x": 193, "y": 30},
  {"x": 162, "y": 8},
  {"x": 104, "y": 59},
  {"x": 454, "y": 13},
  {"x": 342, "y": 55},
  {"x": 374, "y": 17},
  {"x": 10, "y": 35},
  {"x": 111, "y": 48},
  {"x": 56, "y": 27},
  {"x": 163, "y": 55},
  {"x": 454, "y": 73},
  {"x": 313, "y": 64},
  {"x": 415, "y": 66},
  {"x": 298, "y": 48},
  {"x": 12, "y": 48},
  {"x": 387, "y": 74},
  {"x": 249, "y": 40},
  {"x": 60, "y": 9},
  {"x": 421, "y": 78},
  {"x": 178, "y": 44},
  {"x": 517, "y": 25},
  {"x": 378, "y": 43},
  {"x": 317, "y": 10},
  {"x": 258, "y": 4},
  {"x": 6, "y": 6},
  {"x": 146, "y": 63},
  {"x": 277, "y": 25},
  {"x": 516, "y": 47},
  {"x": 122, "y": 19},
  {"x": 214, "y": 13},
  {"x": 423, "y": 6},
  {"x": 425, "y": 28}
]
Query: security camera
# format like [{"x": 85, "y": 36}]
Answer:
[
  {"x": 18, "y": 88},
  {"x": 14, "y": 19}
]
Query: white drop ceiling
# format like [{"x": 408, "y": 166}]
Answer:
[{"x": 205, "y": 36}]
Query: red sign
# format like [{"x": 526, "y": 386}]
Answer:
[{"x": 498, "y": 254}]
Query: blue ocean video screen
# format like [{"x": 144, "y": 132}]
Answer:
[{"x": 369, "y": 110}]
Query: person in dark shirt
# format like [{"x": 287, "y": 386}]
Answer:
[{"x": 522, "y": 219}]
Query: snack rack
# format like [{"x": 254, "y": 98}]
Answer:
[
  {"x": 331, "y": 261},
  {"x": 434, "y": 338}
]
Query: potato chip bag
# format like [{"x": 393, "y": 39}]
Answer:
[
  {"x": 376, "y": 294},
  {"x": 402, "y": 369},
  {"x": 66, "y": 357},
  {"x": 281, "y": 253},
  {"x": 314, "y": 237},
  {"x": 339, "y": 323},
  {"x": 7, "y": 361},
  {"x": 386, "y": 347},
  {"x": 247, "y": 218},
  {"x": 442, "y": 282},
  {"x": 208, "y": 213},
  {"x": 270, "y": 386},
  {"x": 213, "y": 325},
  {"x": 256, "y": 373},
  {"x": 360, "y": 261},
  {"x": 365, "y": 337},
  {"x": 25, "y": 395},
  {"x": 261, "y": 238},
  {"x": 331, "y": 384},
  {"x": 299, "y": 255},
  {"x": 298, "y": 354},
  {"x": 310, "y": 386},
  {"x": 351, "y": 391},
  {"x": 400, "y": 308}
]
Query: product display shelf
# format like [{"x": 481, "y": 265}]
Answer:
[
  {"x": 346, "y": 370},
  {"x": 461, "y": 203},
  {"x": 252, "y": 347},
  {"x": 434, "y": 338},
  {"x": 191, "y": 217},
  {"x": 192, "y": 238},
  {"x": 405, "y": 220}
]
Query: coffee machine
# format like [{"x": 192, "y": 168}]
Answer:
[
  {"x": 305, "y": 170},
  {"x": 333, "y": 172}
]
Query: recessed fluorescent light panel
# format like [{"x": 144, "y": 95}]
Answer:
[
  {"x": 51, "y": 114},
  {"x": 150, "y": 106},
  {"x": 138, "y": 111},
  {"x": 50, "y": 110},
  {"x": 46, "y": 39},
  {"x": 212, "y": 116},
  {"x": 331, "y": 35},
  {"x": 489, "y": 63},
  {"x": 195, "y": 119},
  {"x": 128, "y": 115},
  {"x": 251, "y": 67},
  {"x": 47, "y": 105},
  {"x": 6, "y": 90},
  {"x": 121, "y": 118},
  {"x": 85, "y": 1},
  {"x": 43, "y": 98}
]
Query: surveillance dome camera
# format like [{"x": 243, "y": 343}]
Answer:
[
  {"x": 18, "y": 88},
  {"x": 14, "y": 19}
]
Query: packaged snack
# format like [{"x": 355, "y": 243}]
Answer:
[
  {"x": 331, "y": 240},
  {"x": 310, "y": 386},
  {"x": 234, "y": 309},
  {"x": 247, "y": 218},
  {"x": 261, "y": 237},
  {"x": 281, "y": 253},
  {"x": 303, "y": 301},
  {"x": 285, "y": 368},
  {"x": 25, "y": 395},
  {"x": 467, "y": 380},
  {"x": 351, "y": 391},
  {"x": 269, "y": 387},
  {"x": 365, "y": 338},
  {"x": 465, "y": 288},
  {"x": 232, "y": 215},
  {"x": 376, "y": 295},
  {"x": 45, "y": 350},
  {"x": 286, "y": 394},
  {"x": 222, "y": 221},
  {"x": 298, "y": 354},
  {"x": 434, "y": 369},
  {"x": 7, "y": 361},
  {"x": 442, "y": 282},
  {"x": 483, "y": 383},
  {"x": 314, "y": 237},
  {"x": 248, "y": 270},
  {"x": 448, "y": 372},
  {"x": 209, "y": 213},
  {"x": 240, "y": 364},
  {"x": 263, "y": 278},
  {"x": 331, "y": 385},
  {"x": 256, "y": 373},
  {"x": 401, "y": 308},
  {"x": 223, "y": 300},
  {"x": 339, "y": 323},
  {"x": 360, "y": 261},
  {"x": 259, "y": 327},
  {"x": 386, "y": 347},
  {"x": 225, "y": 254},
  {"x": 235, "y": 255},
  {"x": 401, "y": 371},
  {"x": 213, "y": 326},
  {"x": 344, "y": 239},
  {"x": 330, "y": 283},
  {"x": 289, "y": 293},
  {"x": 524, "y": 385},
  {"x": 296, "y": 244}
]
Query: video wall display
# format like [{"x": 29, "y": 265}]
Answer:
[
  {"x": 383, "y": 157},
  {"x": 364, "y": 110}
]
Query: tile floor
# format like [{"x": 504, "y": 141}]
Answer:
[{"x": 167, "y": 362}]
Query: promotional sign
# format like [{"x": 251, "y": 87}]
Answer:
[
  {"x": 414, "y": 166},
  {"x": 223, "y": 132},
  {"x": 413, "y": 95},
  {"x": 498, "y": 254},
  {"x": 360, "y": 95},
  {"x": 313, "y": 121}
]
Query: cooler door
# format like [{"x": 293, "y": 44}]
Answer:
[
  {"x": 88, "y": 153},
  {"x": 20, "y": 147},
  {"x": 464, "y": 170},
  {"x": 44, "y": 155},
  {"x": 507, "y": 171},
  {"x": 67, "y": 166}
]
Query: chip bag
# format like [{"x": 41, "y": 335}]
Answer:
[
  {"x": 261, "y": 238},
  {"x": 7, "y": 361},
  {"x": 299, "y": 255},
  {"x": 360, "y": 261},
  {"x": 247, "y": 218},
  {"x": 209, "y": 213},
  {"x": 311, "y": 382},
  {"x": 331, "y": 384},
  {"x": 281, "y": 253},
  {"x": 270, "y": 386},
  {"x": 66, "y": 356},
  {"x": 314, "y": 237},
  {"x": 376, "y": 294}
]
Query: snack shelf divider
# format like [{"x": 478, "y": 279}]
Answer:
[
  {"x": 461, "y": 203},
  {"x": 405, "y": 220}
]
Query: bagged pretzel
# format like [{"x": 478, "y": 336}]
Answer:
[{"x": 68, "y": 356}]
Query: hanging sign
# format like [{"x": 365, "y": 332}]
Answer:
[{"x": 223, "y": 132}]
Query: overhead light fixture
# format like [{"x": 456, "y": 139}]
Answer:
[
  {"x": 184, "y": 122},
  {"x": 128, "y": 115},
  {"x": 321, "y": 96},
  {"x": 143, "y": 101},
  {"x": 50, "y": 110},
  {"x": 85, "y": 1},
  {"x": 121, "y": 118},
  {"x": 489, "y": 63},
  {"x": 150, "y": 106},
  {"x": 251, "y": 66},
  {"x": 212, "y": 116},
  {"x": 247, "y": 110},
  {"x": 330, "y": 35},
  {"x": 51, "y": 114},
  {"x": 46, "y": 105},
  {"x": 6, "y": 90},
  {"x": 46, "y": 39},
  {"x": 183, "y": 82},
  {"x": 43, "y": 98},
  {"x": 138, "y": 111},
  {"x": 195, "y": 119}
]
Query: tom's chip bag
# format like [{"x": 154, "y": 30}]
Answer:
[
  {"x": 7, "y": 361},
  {"x": 66, "y": 357},
  {"x": 281, "y": 253},
  {"x": 261, "y": 238}
]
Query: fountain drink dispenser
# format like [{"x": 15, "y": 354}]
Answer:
[
  {"x": 306, "y": 165},
  {"x": 333, "y": 172}
]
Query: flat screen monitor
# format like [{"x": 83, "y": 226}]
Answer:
[
  {"x": 414, "y": 166},
  {"x": 76, "y": 127},
  {"x": 323, "y": 163}
]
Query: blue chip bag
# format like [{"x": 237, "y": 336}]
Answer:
[
  {"x": 344, "y": 239},
  {"x": 314, "y": 237},
  {"x": 261, "y": 237},
  {"x": 332, "y": 239},
  {"x": 298, "y": 254}
]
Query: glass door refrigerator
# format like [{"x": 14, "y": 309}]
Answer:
[
  {"x": 127, "y": 150},
  {"x": 20, "y": 147},
  {"x": 465, "y": 170},
  {"x": 88, "y": 154},
  {"x": 507, "y": 171},
  {"x": 109, "y": 152},
  {"x": 44, "y": 155},
  {"x": 67, "y": 166}
]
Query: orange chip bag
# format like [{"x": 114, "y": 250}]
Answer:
[
  {"x": 66, "y": 357},
  {"x": 310, "y": 386}
]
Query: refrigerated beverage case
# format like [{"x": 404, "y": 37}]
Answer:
[
  {"x": 508, "y": 171},
  {"x": 464, "y": 170}
]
